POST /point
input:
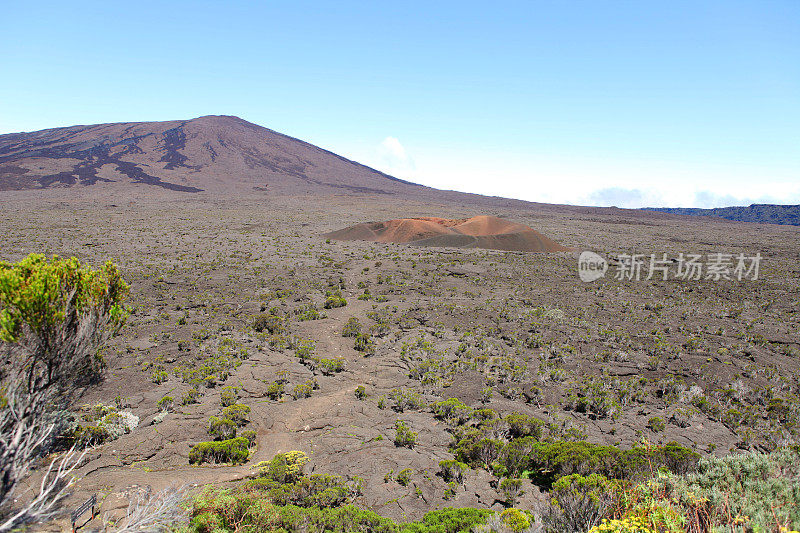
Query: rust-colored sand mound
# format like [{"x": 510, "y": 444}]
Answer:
[{"x": 477, "y": 232}]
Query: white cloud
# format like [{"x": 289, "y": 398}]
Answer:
[
  {"x": 576, "y": 180},
  {"x": 392, "y": 147},
  {"x": 710, "y": 199},
  {"x": 394, "y": 159},
  {"x": 622, "y": 197}
]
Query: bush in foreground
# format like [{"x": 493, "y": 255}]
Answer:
[
  {"x": 233, "y": 451},
  {"x": 54, "y": 317},
  {"x": 226, "y": 511}
]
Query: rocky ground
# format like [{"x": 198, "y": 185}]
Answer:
[{"x": 710, "y": 364}]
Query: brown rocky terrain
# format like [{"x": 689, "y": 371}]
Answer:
[{"x": 711, "y": 364}]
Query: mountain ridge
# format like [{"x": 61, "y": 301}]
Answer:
[
  {"x": 211, "y": 152},
  {"x": 785, "y": 214}
]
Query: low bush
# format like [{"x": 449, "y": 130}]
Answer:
[
  {"x": 250, "y": 435},
  {"x": 221, "y": 428},
  {"x": 307, "y": 312},
  {"x": 233, "y": 451},
  {"x": 580, "y": 502},
  {"x": 285, "y": 467},
  {"x": 364, "y": 343},
  {"x": 270, "y": 323},
  {"x": 230, "y": 510},
  {"x": 236, "y": 412},
  {"x": 228, "y": 395},
  {"x": 404, "y": 476},
  {"x": 275, "y": 390},
  {"x": 452, "y": 470},
  {"x": 352, "y": 328},
  {"x": 190, "y": 396},
  {"x": 407, "y": 399},
  {"x": 547, "y": 461},
  {"x": 304, "y": 390},
  {"x": 403, "y": 435},
  {"x": 334, "y": 299},
  {"x": 330, "y": 366},
  {"x": 521, "y": 425},
  {"x": 656, "y": 424},
  {"x": 361, "y": 392},
  {"x": 511, "y": 489},
  {"x": 749, "y": 491},
  {"x": 166, "y": 403},
  {"x": 452, "y": 410},
  {"x": 85, "y": 436}
]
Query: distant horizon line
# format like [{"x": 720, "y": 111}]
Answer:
[{"x": 748, "y": 204}]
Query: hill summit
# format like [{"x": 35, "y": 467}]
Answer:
[{"x": 210, "y": 153}]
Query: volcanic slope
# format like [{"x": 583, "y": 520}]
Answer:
[
  {"x": 481, "y": 231},
  {"x": 216, "y": 154}
]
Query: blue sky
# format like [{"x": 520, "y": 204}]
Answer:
[{"x": 586, "y": 102}]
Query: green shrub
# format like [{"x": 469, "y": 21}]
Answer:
[
  {"x": 511, "y": 489},
  {"x": 304, "y": 349},
  {"x": 41, "y": 295},
  {"x": 228, "y": 395},
  {"x": 158, "y": 377},
  {"x": 403, "y": 435},
  {"x": 656, "y": 424},
  {"x": 486, "y": 394},
  {"x": 406, "y": 399},
  {"x": 515, "y": 520},
  {"x": 334, "y": 299},
  {"x": 284, "y": 467},
  {"x": 190, "y": 396},
  {"x": 361, "y": 392},
  {"x": 237, "y": 413},
  {"x": 521, "y": 425},
  {"x": 449, "y": 521},
  {"x": 275, "y": 390},
  {"x": 226, "y": 511},
  {"x": 307, "y": 312},
  {"x": 452, "y": 410},
  {"x": 85, "y": 436},
  {"x": 364, "y": 343},
  {"x": 221, "y": 428},
  {"x": 316, "y": 490},
  {"x": 404, "y": 476},
  {"x": 250, "y": 435},
  {"x": 330, "y": 366},
  {"x": 233, "y": 451},
  {"x": 580, "y": 502},
  {"x": 166, "y": 403},
  {"x": 452, "y": 470},
  {"x": 484, "y": 414},
  {"x": 352, "y": 328},
  {"x": 270, "y": 323},
  {"x": 304, "y": 390},
  {"x": 550, "y": 460},
  {"x": 739, "y": 492}
]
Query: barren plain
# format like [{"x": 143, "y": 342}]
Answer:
[{"x": 711, "y": 365}]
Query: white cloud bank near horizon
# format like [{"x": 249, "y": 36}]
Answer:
[{"x": 577, "y": 181}]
